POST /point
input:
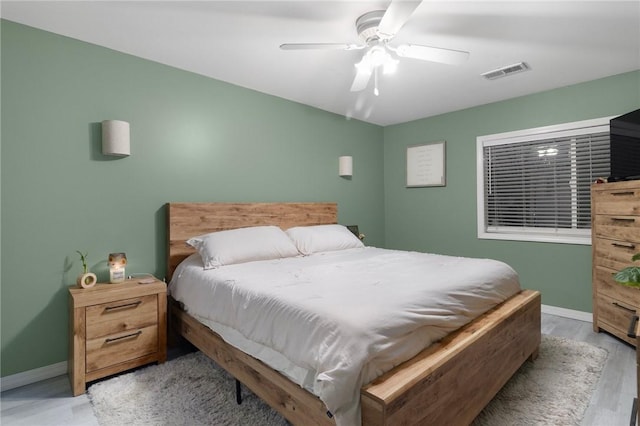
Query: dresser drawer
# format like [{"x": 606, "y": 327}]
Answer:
[
  {"x": 615, "y": 316},
  {"x": 111, "y": 350},
  {"x": 620, "y": 201},
  {"x": 614, "y": 254},
  {"x": 624, "y": 228},
  {"x": 121, "y": 315},
  {"x": 605, "y": 284}
]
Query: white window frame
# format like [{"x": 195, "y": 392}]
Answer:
[{"x": 568, "y": 236}]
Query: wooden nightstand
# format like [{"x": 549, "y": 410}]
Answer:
[{"x": 115, "y": 327}]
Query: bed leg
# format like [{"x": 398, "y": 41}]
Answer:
[
  {"x": 238, "y": 392},
  {"x": 534, "y": 355}
]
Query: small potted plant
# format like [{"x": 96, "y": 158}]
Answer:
[
  {"x": 86, "y": 279},
  {"x": 629, "y": 276}
]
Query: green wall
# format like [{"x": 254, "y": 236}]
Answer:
[
  {"x": 198, "y": 139},
  {"x": 443, "y": 219},
  {"x": 192, "y": 139}
]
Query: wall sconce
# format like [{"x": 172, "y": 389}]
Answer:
[
  {"x": 115, "y": 138},
  {"x": 345, "y": 166},
  {"x": 117, "y": 262}
]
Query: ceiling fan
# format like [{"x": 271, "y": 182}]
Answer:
[{"x": 377, "y": 29}]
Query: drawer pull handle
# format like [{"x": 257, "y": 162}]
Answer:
[
  {"x": 623, "y": 307},
  {"x": 631, "y": 332},
  {"x": 126, "y": 305},
  {"x": 622, "y": 193},
  {"x": 623, "y": 219},
  {"x": 624, "y": 245},
  {"x": 126, "y": 336}
]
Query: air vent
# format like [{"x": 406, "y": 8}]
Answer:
[{"x": 505, "y": 71}]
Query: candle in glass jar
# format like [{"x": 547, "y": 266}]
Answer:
[{"x": 117, "y": 263}]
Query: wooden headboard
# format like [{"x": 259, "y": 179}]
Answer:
[{"x": 186, "y": 220}]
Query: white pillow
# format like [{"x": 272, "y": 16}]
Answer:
[
  {"x": 243, "y": 245},
  {"x": 319, "y": 238}
]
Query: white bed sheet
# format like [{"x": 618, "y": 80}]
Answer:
[{"x": 334, "y": 321}]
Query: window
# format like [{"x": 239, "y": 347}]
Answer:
[{"x": 535, "y": 184}]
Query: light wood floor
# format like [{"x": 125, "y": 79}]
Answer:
[{"x": 50, "y": 403}]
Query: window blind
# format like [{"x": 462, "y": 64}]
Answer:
[{"x": 543, "y": 185}]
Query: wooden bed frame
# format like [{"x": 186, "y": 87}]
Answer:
[{"x": 449, "y": 382}]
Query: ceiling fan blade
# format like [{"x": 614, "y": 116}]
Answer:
[
  {"x": 319, "y": 46},
  {"x": 432, "y": 54},
  {"x": 395, "y": 17},
  {"x": 363, "y": 75}
]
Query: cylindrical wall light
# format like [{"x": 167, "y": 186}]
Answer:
[
  {"x": 115, "y": 138},
  {"x": 345, "y": 166}
]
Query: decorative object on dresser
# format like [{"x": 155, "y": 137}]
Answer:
[
  {"x": 615, "y": 238},
  {"x": 86, "y": 279},
  {"x": 115, "y": 327}
]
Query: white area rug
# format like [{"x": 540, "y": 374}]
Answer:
[
  {"x": 192, "y": 390},
  {"x": 553, "y": 390}
]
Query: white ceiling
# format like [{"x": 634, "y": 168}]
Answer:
[{"x": 564, "y": 42}]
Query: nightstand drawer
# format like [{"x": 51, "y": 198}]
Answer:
[
  {"x": 606, "y": 285},
  {"x": 121, "y": 315},
  {"x": 110, "y": 350}
]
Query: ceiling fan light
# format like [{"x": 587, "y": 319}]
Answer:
[
  {"x": 364, "y": 65},
  {"x": 378, "y": 56},
  {"x": 390, "y": 66},
  {"x": 363, "y": 75}
]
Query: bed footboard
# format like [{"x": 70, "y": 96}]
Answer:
[
  {"x": 453, "y": 380},
  {"x": 448, "y": 383}
]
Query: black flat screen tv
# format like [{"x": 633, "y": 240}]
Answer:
[{"x": 625, "y": 146}]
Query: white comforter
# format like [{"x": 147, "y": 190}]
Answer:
[{"x": 345, "y": 316}]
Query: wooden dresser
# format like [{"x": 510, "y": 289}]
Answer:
[
  {"x": 634, "y": 407},
  {"x": 115, "y": 327},
  {"x": 615, "y": 233}
]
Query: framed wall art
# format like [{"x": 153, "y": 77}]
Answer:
[{"x": 426, "y": 165}]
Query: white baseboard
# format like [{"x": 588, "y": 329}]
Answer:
[
  {"x": 33, "y": 376},
  {"x": 568, "y": 313}
]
